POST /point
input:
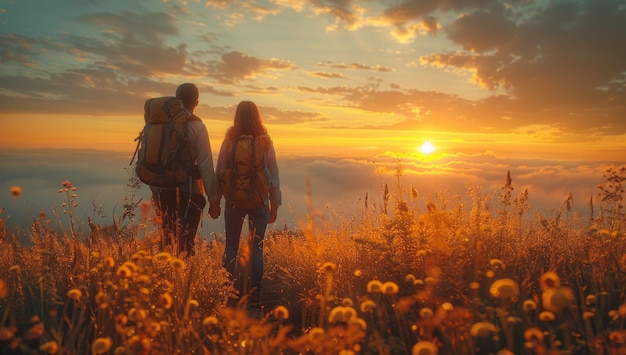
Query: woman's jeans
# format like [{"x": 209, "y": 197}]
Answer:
[{"x": 257, "y": 222}]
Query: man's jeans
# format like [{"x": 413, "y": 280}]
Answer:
[{"x": 257, "y": 222}]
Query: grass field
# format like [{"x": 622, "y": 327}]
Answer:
[{"x": 408, "y": 276}]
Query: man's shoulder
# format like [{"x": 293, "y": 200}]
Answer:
[{"x": 193, "y": 118}]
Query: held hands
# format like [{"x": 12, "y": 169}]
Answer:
[{"x": 214, "y": 209}]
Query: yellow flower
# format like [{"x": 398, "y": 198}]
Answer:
[
  {"x": 281, "y": 312},
  {"x": 588, "y": 315},
  {"x": 210, "y": 321},
  {"x": 409, "y": 278},
  {"x": 121, "y": 320},
  {"x": 15, "y": 191},
  {"x": 316, "y": 335},
  {"x": 390, "y": 288},
  {"x": 124, "y": 271},
  {"x": 341, "y": 314},
  {"x": 50, "y": 347},
  {"x": 496, "y": 263},
  {"x": 328, "y": 267},
  {"x": 374, "y": 286},
  {"x": 101, "y": 345},
  {"x": 75, "y": 294},
  {"x": 483, "y": 329},
  {"x": 166, "y": 300},
  {"x": 426, "y": 313},
  {"x": 102, "y": 299},
  {"x": 424, "y": 347},
  {"x": 368, "y": 306},
  {"x": 177, "y": 264},
  {"x": 590, "y": 299},
  {"x": 546, "y": 316},
  {"x": 109, "y": 262},
  {"x": 533, "y": 335},
  {"x": 557, "y": 299},
  {"x": 193, "y": 303},
  {"x": 163, "y": 257},
  {"x": 529, "y": 305},
  {"x": 549, "y": 280},
  {"x": 137, "y": 314},
  {"x": 347, "y": 302},
  {"x": 504, "y": 288}
]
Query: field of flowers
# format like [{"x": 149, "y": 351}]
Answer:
[{"x": 407, "y": 277}]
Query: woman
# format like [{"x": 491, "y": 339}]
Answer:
[{"x": 247, "y": 161}]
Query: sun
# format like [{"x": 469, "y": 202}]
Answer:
[{"x": 427, "y": 148}]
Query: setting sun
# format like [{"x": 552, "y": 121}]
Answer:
[{"x": 426, "y": 148}]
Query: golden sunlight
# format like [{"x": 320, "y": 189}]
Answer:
[{"x": 426, "y": 148}]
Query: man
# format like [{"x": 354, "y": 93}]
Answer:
[{"x": 181, "y": 208}]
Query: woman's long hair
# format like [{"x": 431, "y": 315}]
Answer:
[{"x": 247, "y": 121}]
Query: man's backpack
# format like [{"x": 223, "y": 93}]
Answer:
[
  {"x": 245, "y": 181},
  {"x": 164, "y": 157}
]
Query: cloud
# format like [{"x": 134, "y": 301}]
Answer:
[{"x": 236, "y": 66}]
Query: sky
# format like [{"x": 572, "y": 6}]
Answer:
[{"x": 349, "y": 91}]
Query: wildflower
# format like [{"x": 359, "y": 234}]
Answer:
[
  {"x": 390, "y": 288},
  {"x": 75, "y": 294},
  {"x": 529, "y": 305},
  {"x": 67, "y": 184},
  {"x": 102, "y": 299},
  {"x": 374, "y": 286},
  {"x": 137, "y": 314},
  {"x": 430, "y": 281},
  {"x": 15, "y": 191},
  {"x": 421, "y": 253},
  {"x": 534, "y": 335},
  {"x": 36, "y": 331},
  {"x": 418, "y": 282},
  {"x": 124, "y": 271},
  {"x": 4, "y": 289},
  {"x": 617, "y": 234},
  {"x": 347, "y": 302},
  {"x": 424, "y": 348},
  {"x": 109, "y": 262},
  {"x": 447, "y": 306},
  {"x": 367, "y": 306},
  {"x": 604, "y": 233},
  {"x": 590, "y": 299},
  {"x": 588, "y": 315},
  {"x": 121, "y": 320},
  {"x": 120, "y": 350},
  {"x": 426, "y": 312},
  {"x": 496, "y": 263},
  {"x": 341, "y": 314},
  {"x": 193, "y": 303},
  {"x": 163, "y": 257},
  {"x": 483, "y": 329},
  {"x": 616, "y": 337},
  {"x": 166, "y": 300},
  {"x": 177, "y": 264},
  {"x": 281, "y": 312},
  {"x": 474, "y": 285},
  {"x": 546, "y": 316},
  {"x": 358, "y": 273},
  {"x": 316, "y": 335},
  {"x": 504, "y": 288},
  {"x": 360, "y": 322},
  {"x": 328, "y": 267},
  {"x": 549, "y": 280},
  {"x": 557, "y": 299},
  {"x": 210, "y": 321},
  {"x": 490, "y": 274},
  {"x": 50, "y": 347},
  {"x": 101, "y": 345},
  {"x": 409, "y": 278}
]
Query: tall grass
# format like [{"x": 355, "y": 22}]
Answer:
[{"x": 408, "y": 276}]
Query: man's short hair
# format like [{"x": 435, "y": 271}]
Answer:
[{"x": 188, "y": 94}]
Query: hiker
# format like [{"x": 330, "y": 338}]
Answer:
[
  {"x": 181, "y": 207},
  {"x": 248, "y": 175}
]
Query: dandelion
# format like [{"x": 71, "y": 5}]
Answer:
[
  {"x": 210, "y": 321},
  {"x": 549, "y": 280},
  {"x": 367, "y": 306},
  {"x": 177, "y": 264},
  {"x": 533, "y": 335},
  {"x": 163, "y": 257},
  {"x": 390, "y": 288},
  {"x": 374, "y": 286},
  {"x": 137, "y": 314},
  {"x": 557, "y": 299},
  {"x": 50, "y": 347},
  {"x": 281, "y": 312},
  {"x": 328, "y": 267},
  {"x": 124, "y": 271},
  {"x": 15, "y": 191},
  {"x": 102, "y": 299},
  {"x": 424, "y": 348},
  {"x": 547, "y": 316},
  {"x": 75, "y": 294},
  {"x": 483, "y": 329},
  {"x": 101, "y": 345},
  {"x": 341, "y": 314},
  {"x": 426, "y": 313},
  {"x": 166, "y": 300},
  {"x": 504, "y": 288},
  {"x": 347, "y": 302},
  {"x": 529, "y": 305},
  {"x": 409, "y": 278},
  {"x": 109, "y": 262}
]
